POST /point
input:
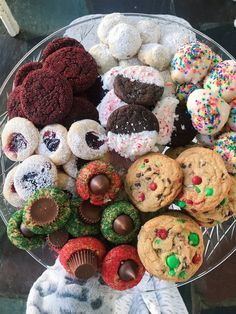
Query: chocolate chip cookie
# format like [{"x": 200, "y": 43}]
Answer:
[
  {"x": 153, "y": 181},
  {"x": 206, "y": 181},
  {"x": 171, "y": 246}
]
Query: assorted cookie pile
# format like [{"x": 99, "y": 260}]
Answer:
[{"x": 104, "y": 151}]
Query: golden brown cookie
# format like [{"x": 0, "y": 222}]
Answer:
[
  {"x": 153, "y": 181},
  {"x": 171, "y": 247},
  {"x": 174, "y": 152},
  {"x": 225, "y": 210},
  {"x": 206, "y": 181}
]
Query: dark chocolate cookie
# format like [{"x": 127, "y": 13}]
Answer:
[
  {"x": 24, "y": 70},
  {"x": 59, "y": 43},
  {"x": 132, "y": 131},
  {"x": 96, "y": 93},
  {"x": 14, "y": 104},
  {"x": 46, "y": 97},
  {"x": 132, "y": 119},
  {"x": 183, "y": 132},
  {"x": 136, "y": 92},
  {"x": 81, "y": 109},
  {"x": 76, "y": 65}
]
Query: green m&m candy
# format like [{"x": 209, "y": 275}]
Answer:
[
  {"x": 182, "y": 274},
  {"x": 172, "y": 261},
  {"x": 193, "y": 239}
]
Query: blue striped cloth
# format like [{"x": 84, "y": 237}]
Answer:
[{"x": 56, "y": 292}]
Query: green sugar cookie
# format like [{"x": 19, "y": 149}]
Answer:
[
  {"x": 46, "y": 211},
  {"x": 75, "y": 226},
  {"x": 120, "y": 222},
  {"x": 16, "y": 236}
]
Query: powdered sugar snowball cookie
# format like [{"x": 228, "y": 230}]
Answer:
[
  {"x": 209, "y": 112},
  {"x": 9, "y": 191},
  {"x": 155, "y": 55},
  {"x": 175, "y": 127},
  {"x": 225, "y": 145},
  {"x": 106, "y": 24},
  {"x": 66, "y": 183},
  {"x": 132, "y": 131},
  {"x": 108, "y": 104},
  {"x": 34, "y": 173},
  {"x": 129, "y": 62},
  {"x": 139, "y": 85},
  {"x": 232, "y": 116},
  {"x": 53, "y": 144},
  {"x": 191, "y": 63},
  {"x": 222, "y": 80},
  {"x": 169, "y": 84},
  {"x": 149, "y": 31},
  {"x": 109, "y": 77},
  {"x": 19, "y": 139},
  {"x": 87, "y": 139},
  {"x": 124, "y": 41},
  {"x": 73, "y": 165},
  {"x": 104, "y": 59}
]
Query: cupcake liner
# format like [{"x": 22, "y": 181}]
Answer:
[
  {"x": 48, "y": 214},
  {"x": 89, "y": 214},
  {"x": 57, "y": 239},
  {"x": 83, "y": 264}
]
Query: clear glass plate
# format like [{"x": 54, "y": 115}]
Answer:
[{"x": 220, "y": 241}]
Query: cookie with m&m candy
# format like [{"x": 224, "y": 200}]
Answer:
[
  {"x": 171, "y": 247},
  {"x": 206, "y": 180}
]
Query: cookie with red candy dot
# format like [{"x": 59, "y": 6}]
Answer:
[
  {"x": 122, "y": 268},
  {"x": 99, "y": 182}
]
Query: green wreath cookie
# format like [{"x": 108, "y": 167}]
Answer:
[
  {"x": 46, "y": 211},
  {"x": 16, "y": 236},
  {"x": 120, "y": 222},
  {"x": 76, "y": 227}
]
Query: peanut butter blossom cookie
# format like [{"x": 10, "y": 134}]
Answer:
[
  {"x": 21, "y": 236},
  {"x": 206, "y": 181},
  {"x": 46, "y": 211},
  {"x": 171, "y": 247},
  {"x": 82, "y": 257},
  {"x": 120, "y": 222},
  {"x": 153, "y": 181},
  {"x": 85, "y": 218},
  {"x": 99, "y": 182},
  {"x": 122, "y": 268}
]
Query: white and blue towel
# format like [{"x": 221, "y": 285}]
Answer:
[{"x": 56, "y": 292}]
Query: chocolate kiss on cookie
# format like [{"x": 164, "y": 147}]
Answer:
[
  {"x": 175, "y": 124},
  {"x": 132, "y": 131},
  {"x": 128, "y": 270},
  {"x": 139, "y": 85}
]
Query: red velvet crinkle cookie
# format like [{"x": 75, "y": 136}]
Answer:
[
  {"x": 81, "y": 245},
  {"x": 59, "y": 43},
  {"x": 81, "y": 109},
  {"x": 24, "y": 70},
  {"x": 14, "y": 104},
  {"x": 76, "y": 65},
  {"x": 122, "y": 268},
  {"x": 99, "y": 182},
  {"x": 46, "y": 97}
]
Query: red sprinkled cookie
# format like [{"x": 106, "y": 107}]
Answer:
[
  {"x": 122, "y": 268},
  {"x": 99, "y": 182}
]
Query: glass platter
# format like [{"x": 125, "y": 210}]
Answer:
[{"x": 220, "y": 241}]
